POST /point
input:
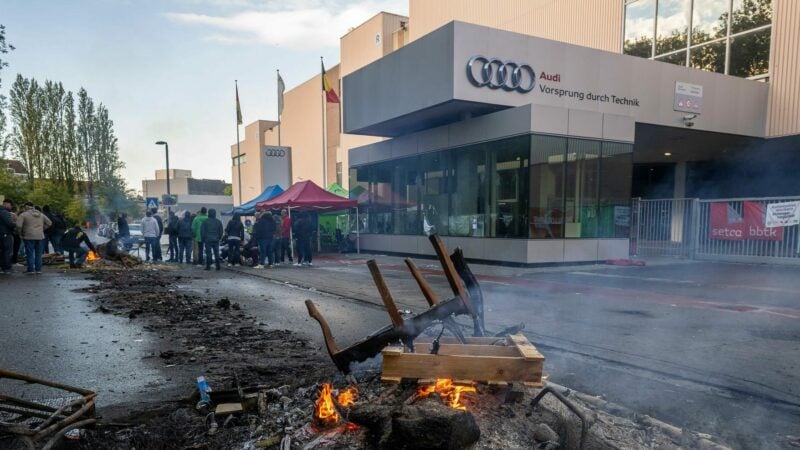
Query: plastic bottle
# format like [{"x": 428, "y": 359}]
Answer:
[{"x": 203, "y": 388}]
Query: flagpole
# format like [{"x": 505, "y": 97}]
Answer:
[
  {"x": 324, "y": 128},
  {"x": 238, "y": 149},
  {"x": 279, "y": 108}
]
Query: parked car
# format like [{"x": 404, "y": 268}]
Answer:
[
  {"x": 102, "y": 230},
  {"x": 136, "y": 238}
]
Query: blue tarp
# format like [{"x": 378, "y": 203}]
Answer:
[{"x": 249, "y": 208}]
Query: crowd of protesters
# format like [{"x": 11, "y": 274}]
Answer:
[
  {"x": 32, "y": 231},
  {"x": 194, "y": 238}
]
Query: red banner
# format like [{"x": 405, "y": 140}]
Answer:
[{"x": 728, "y": 225}]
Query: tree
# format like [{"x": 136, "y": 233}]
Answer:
[
  {"x": 85, "y": 138},
  {"x": 4, "y": 48},
  {"x": 27, "y": 117}
]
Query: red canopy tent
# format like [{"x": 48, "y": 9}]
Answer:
[{"x": 306, "y": 195}]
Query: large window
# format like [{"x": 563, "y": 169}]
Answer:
[
  {"x": 531, "y": 186},
  {"x": 548, "y": 154},
  {"x": 724, "y": 36},
  {"x": 616, "y": 175}
]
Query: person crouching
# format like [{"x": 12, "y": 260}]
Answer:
[{"x": 71, "y": 242}]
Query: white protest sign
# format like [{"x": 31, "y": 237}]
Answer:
[{"x": 783, "y": 214}]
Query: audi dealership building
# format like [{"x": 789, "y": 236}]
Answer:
[{"x": 526, "y": 150}]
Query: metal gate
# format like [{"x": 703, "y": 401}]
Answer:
[
  {"x": 713, "y": 229},
  {"x": 662, "y": 227}
]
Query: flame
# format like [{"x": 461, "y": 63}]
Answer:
[
  {"x": 324, "y": 410},
  {"x": 448, "y": 391},
  {"x": 350, "y": 426},
  {"x": 348, "y": 396},
  {"x": 92, "y": 256}
]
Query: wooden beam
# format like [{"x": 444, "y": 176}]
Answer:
[
  {"x": 430, "y": 296},
  {"x": 450, "y": 271},
  {"x": 478, "y": 368},
  {"x": 526, "y": 349},
  {"x": 386, "y": 296}
]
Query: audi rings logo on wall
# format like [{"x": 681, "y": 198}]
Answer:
[
  {"x": 276, "y": 152},
  {"x": 498, "y": 74}
]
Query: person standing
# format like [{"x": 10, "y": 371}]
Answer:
[
  {"x": 52, "y": 235},
  {"x": 150, "y": 233},
  {"x": 32, "y": 224},
  {"x": 211, "y": 234},
  {"x": 286, "y": 236},
  {"x": 276, "y": 241},
  {"x": 72, "y": 241},
  {"x": 263, "y": 231},
  {"x": 235, "y": 232},
  {"x": 7, "y": 228},
  {"x": 197, "y": 224},
  {"x": 304, "y": 241},
  {"x": 185, "y": 238},
  {"x": 124, "y": 232},
  {"x": 157, "y": 250},
  {"x": 172, "y": 231}
]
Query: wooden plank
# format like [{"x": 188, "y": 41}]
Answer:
[
  {"x": 496, "y": 341},
  {"x": 386, "y": 296},
  {"x": 526, "y": 349},
  {"x": 483, "y": 368},
  {"x": 223, "y": 409},
  {"x": 477, "y": 350},
  {"x": 391, "y": 380},
  {"x": 430, "y": 296}
]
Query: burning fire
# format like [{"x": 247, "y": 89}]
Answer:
[
  {"x": 324, "y": 409},
  {"x": 92, "y": 256},
  {"x": 348, "y": 396},
  {"x": 448, "y": 391}
]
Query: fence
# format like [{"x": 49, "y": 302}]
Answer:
[{"x": 718, "y": 229}]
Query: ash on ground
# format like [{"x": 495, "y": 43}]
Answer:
[{"x": 276, "y": 376}]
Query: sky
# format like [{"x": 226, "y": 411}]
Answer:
[{"x": 165, "y": 69}]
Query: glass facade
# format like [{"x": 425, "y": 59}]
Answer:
[
  {"x": 724, "y": 36},
  {"x": 532, "y": 186}
]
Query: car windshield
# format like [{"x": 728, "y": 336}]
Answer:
[{"x": 135, "y": 227}]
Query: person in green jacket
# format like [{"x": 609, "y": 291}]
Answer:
[{"x": 197, "y": 224}]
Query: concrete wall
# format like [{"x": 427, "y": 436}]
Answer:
[
  {"x": 250, "y": 144},
  {"x": 517, "y": 251},
  {"x": 510, "y": 122},
  {"x": 387, "y": 94},
  {"x": 784, "y": 107},
  {"x": 590, "y": 23},
  {"x": 301, "y": 129}
]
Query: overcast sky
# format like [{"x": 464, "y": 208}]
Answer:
[{"x": 166, "y": 68}]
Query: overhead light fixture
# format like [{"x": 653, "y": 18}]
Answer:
[{"x": 667, "y": 154}]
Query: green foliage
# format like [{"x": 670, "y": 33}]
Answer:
[
  {"x": 50, "y": 193},
  {"x": 75, "y": 212},
  {"x": 114, "y": 199},
  {"x": 12, "y": 186},
  {"x": 228, "y": 190}
]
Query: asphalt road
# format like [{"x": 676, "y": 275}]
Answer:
[{"x": 710, "y": 347}]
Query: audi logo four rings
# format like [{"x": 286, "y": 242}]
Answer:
[
  {"x": 499, "y": 74},
  {"x": 276, "y": 152}
]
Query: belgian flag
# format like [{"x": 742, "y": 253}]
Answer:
[{"x": 330, "y": 94}]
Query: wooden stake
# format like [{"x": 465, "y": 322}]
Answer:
[
  {"x": 380, "y": 283},
  {"x": 430, "y": 296}
]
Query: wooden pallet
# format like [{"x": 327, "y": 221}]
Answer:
[{"x": 484, "y": 359}]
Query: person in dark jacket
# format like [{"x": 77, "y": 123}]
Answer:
[
  {"x": 123, "y": 230},
  {"x": 185, "y": 238},
  {"x": 157, "y": 248},
  {"x": 235, "y": 232},
  {"x": 52, "y": 235},
  {"x": 263, "y": 231},
  {"x": 7, "y": 228},
  {"x": 172, "y": 232},
  {"x": 303, "y": 235},
  {"x": 211, "y": 233},
  {"x": 72, "y": 241}
]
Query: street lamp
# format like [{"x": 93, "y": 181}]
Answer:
[{"x": 166, "y": 147}]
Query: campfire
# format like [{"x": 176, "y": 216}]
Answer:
[
  {"x": 92, "y": 256},
  {"x": 326, "y": 413},
  {"x": 450, "y": 393}
]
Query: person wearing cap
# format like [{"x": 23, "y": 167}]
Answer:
[{"x": 71, "y": 242}]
